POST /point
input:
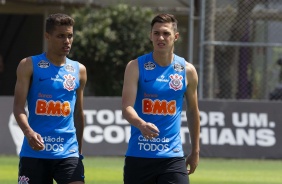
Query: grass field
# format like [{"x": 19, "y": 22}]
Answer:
[{"x": 108, "y": 170}]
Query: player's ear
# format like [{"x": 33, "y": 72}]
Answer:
[
  {"x": 176, "y": 36},
  {"x": 46, "y": 35}
]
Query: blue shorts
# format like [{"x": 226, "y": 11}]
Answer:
[
  {"x": 43, "y": 171},
  {"x": 155, "y": 171}
]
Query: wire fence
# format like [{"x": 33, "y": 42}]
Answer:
[{"x": 240, "y": 55}]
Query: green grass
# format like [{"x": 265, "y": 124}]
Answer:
[
  {"x": 238, "y": 171},
  {"x": 108, "y": 170}
]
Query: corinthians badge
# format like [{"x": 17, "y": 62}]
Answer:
[{"x": 176, "y": 82}]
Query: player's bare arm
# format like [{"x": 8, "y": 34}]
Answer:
[
  {"x": 78, "y": 112},
  {"x": 193, "y": 117},
  {"x": 24, "y": 74},
  {"x": 129, "y": 92}
]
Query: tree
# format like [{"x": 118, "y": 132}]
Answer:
[{"x": 105, "y": 40}]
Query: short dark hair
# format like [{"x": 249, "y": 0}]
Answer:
[
  {"x": 58, "y": 19},
  {"x": 165, "y": 18}
]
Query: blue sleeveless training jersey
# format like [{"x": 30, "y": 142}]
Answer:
[
  {"x": 159, "y": 100},
  {"x": 51, "y": 100}
]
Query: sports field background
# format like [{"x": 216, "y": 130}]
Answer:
[{"x": 108, "y": 170}]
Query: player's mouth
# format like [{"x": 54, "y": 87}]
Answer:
[
  {"x": 161, "y": 44},
  {"x": 66, "y": 49}
]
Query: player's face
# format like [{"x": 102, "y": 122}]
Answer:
[
  {"x": 60, "y": 40},
  {"x": 163, "y": 36}
]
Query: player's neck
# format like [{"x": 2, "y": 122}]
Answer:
[
  {"x": 162, "y": 58},
  {"x": 55, "y": 59}
]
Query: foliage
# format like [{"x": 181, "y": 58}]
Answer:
[{"x": 105, "y": 40}]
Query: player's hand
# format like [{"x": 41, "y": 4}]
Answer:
[
  {"x": 192, "y": 162},
  {"x": 35, "y": 141},
  {"x": 149, "y": 130}
]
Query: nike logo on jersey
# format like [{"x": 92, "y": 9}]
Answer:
[
  {"x": 43, "y": 79},
  {"x": 149, "y": 80}
]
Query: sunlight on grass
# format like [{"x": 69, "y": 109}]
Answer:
[
  {"x": 8, "y": 169},
  {"x": 235, "y": 171},
  {"x": 109, "y": 170},
  {"x": 103, "y": 170}
]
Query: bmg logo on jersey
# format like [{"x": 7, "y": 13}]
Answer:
[
  {"x": 158, "y": 107},
  {"x": 52, "y": 108}
]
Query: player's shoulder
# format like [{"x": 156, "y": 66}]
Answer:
[
  {"x": 25, "y": 67},
  {"x": 139, "y": 60},
  {"x": 25, "y": 62},
  {"x": 132, "y": 63},
  {"x": 189, "y": 66},
  {"x": 26, "y": 59},
  {"x": 132, "y": 67},
  {"x": 82, "y": 67},
  {"x": 191, "y": 72}
]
